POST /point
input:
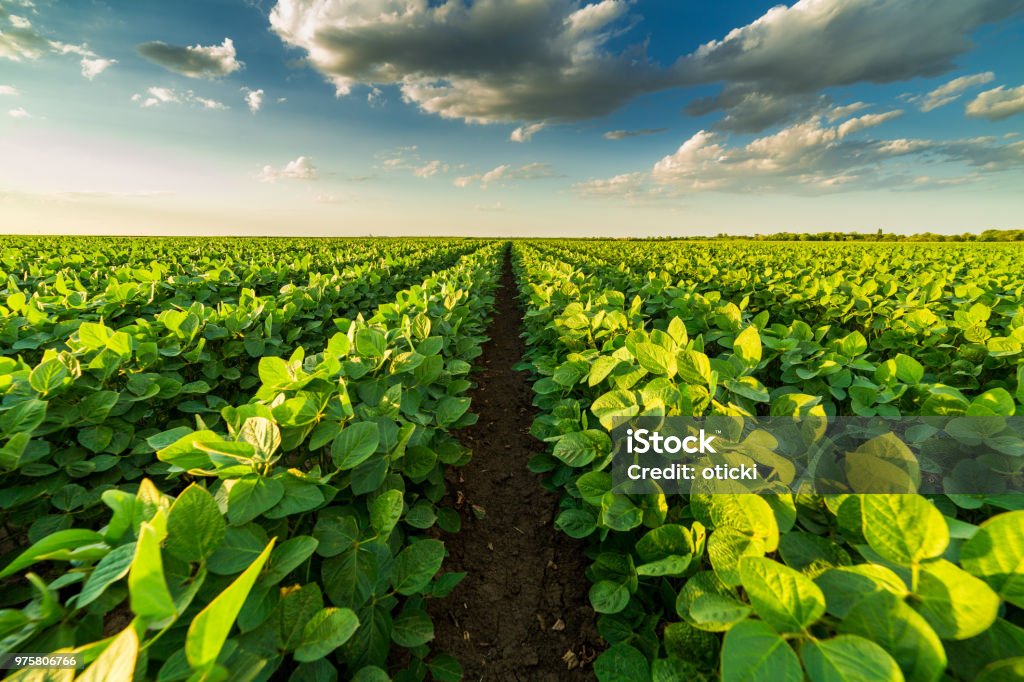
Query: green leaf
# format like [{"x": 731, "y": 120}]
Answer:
[
  {"x": 325, "y": 632},
  {"x": 883, "y": 464},
  {"x": 753, "y": 651},
  {"x": 385, "y": 511},
  {"x": 150, "y": 598},
  {"x": 717, "y": 612},
  {"x": 108, "y": 571},
  {"x": 656, "y": 359},
  {"x": 580, "y": 448},
  {"x": 412, "y": 628},
  {"x": 48, "y": 375},
  {"x": 449, "y": 409},
  {"x": 288, "y": 556},
  {"x": 904, "y": 528},
  {"x": 416, "y": 565},
  {"x": 612, "y": 405},
  {"x": 726, "y": 547},
  {"x": 370, "y": 343},
  {"x": 608, "y": 596},
  {"x": 117, "y": 662},
  {"x": 747, "y": 347},
  {"x": 996, "y": 555},
  {"x": 1008, "y": 670},
  {"x": 209, "y": 629},
  {"x": 195, "y": 527},
  {"x": 784, "y": 598},
  {"x": 251, "y": 496},
  {"x": 889, "y": 622},
  {"x": 955, "y": 603},
  {"x": 848, "y": 658},
  {"x": 274, "y": 372},
  {"x": 622, "y": 663},
  {"x": 355, "y": 444},
  {"x": 62, "y": 539}
]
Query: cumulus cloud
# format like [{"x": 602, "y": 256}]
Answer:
[
  {"x": 157, "y": 96},
  {"x": 409, "y": 159},
  {"x": 951, "y": 91},
  {"x": 553, "y": 60},
  {"x": 998, "y": 103},
  {"x": 505, "y": 174},
  {"x": 301, "y": 168},
  {"x": 22, "y": 41},
  {"x": 482, "y": 62},
  {"x": 92, "y": 67},
  {"x": 253, "y": 99},
  {"x": 844, "y": 110},
  {"x": 797, "y": 51},
  {"x": 525, "y": 133},
  {"x": 809, "y": 157},
  {"x": 430, "y": 169},
  {"x": 9, "y": 90},
  {"x": 623, "y": 134},
  {"x": 866, "y": 121},
  {"x": 19, "y": 113},
  {"x": 194, "y": 61}
]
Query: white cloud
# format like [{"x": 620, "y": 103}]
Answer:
[
  {"x": 866, "y": 121},
  {"x": 194, "y": 61},
  {"x": 92, "y": 67},
  {"x": 808, "y": 157},
  {"x": 157, "y": 96},
  {"x": 998, "y": 103},
  {"x": 23, "y": 41},
  {"x": 525, "y": 133},
  {"x": 375, "y": 97},
  {"x": 19, "y": 113},
  {"x": 505, "y": 174},
  {"x": 623, "y": 134},
  {"x": 9, "y": 90},
  {"x": 301, "y": 168},
  {"x": 430, "y": 170},
  {"x": 842, "y": 111},
  {"x": 951, "y": 91},
  {"x": 253, "y": 99}
]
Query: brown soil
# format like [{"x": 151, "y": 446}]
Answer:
[{"x": 522, "y": 612}]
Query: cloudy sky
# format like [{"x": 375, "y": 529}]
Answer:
[{"x": 510, "y": 117}]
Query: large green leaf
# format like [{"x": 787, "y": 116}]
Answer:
[
  {"x": 209, "y": 629},
  {"x": 355, "y": 444},
  {"x": 848, "y": 658},
  {"x": 325, "y": 632},
  {"x": 416, "y": 565},
  {"x": 195, "y": 527},
  {"x": 117, "y": 662},
  {"x": 996, "y": 555},
  {"x": 784, "y": 598},
  {"x": 753, "y": 651},
  {"x": 150, "y": 597},
  {"x": 904, "y": 528},
  {"x": 955, "y": 603},
  {"x": 889, "y": 622}
]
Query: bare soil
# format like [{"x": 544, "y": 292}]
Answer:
[{"x": 522, "y": 612}]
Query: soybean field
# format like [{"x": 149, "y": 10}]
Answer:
[{"x": 389, "y": 459}]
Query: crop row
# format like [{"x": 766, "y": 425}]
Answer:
[
  {"x": 289, "y": 530},
  {"x": 827, "y": 587}
]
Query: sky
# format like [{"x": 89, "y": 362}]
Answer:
[{"x": 510, "y": 117}]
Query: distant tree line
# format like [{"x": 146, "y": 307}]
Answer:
[{"x": 881, "y": 236}]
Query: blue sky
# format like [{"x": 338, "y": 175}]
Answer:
[{"x": 525, "y": 117}]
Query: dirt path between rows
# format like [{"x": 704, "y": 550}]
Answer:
[{"x": 522, "y": 611}]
